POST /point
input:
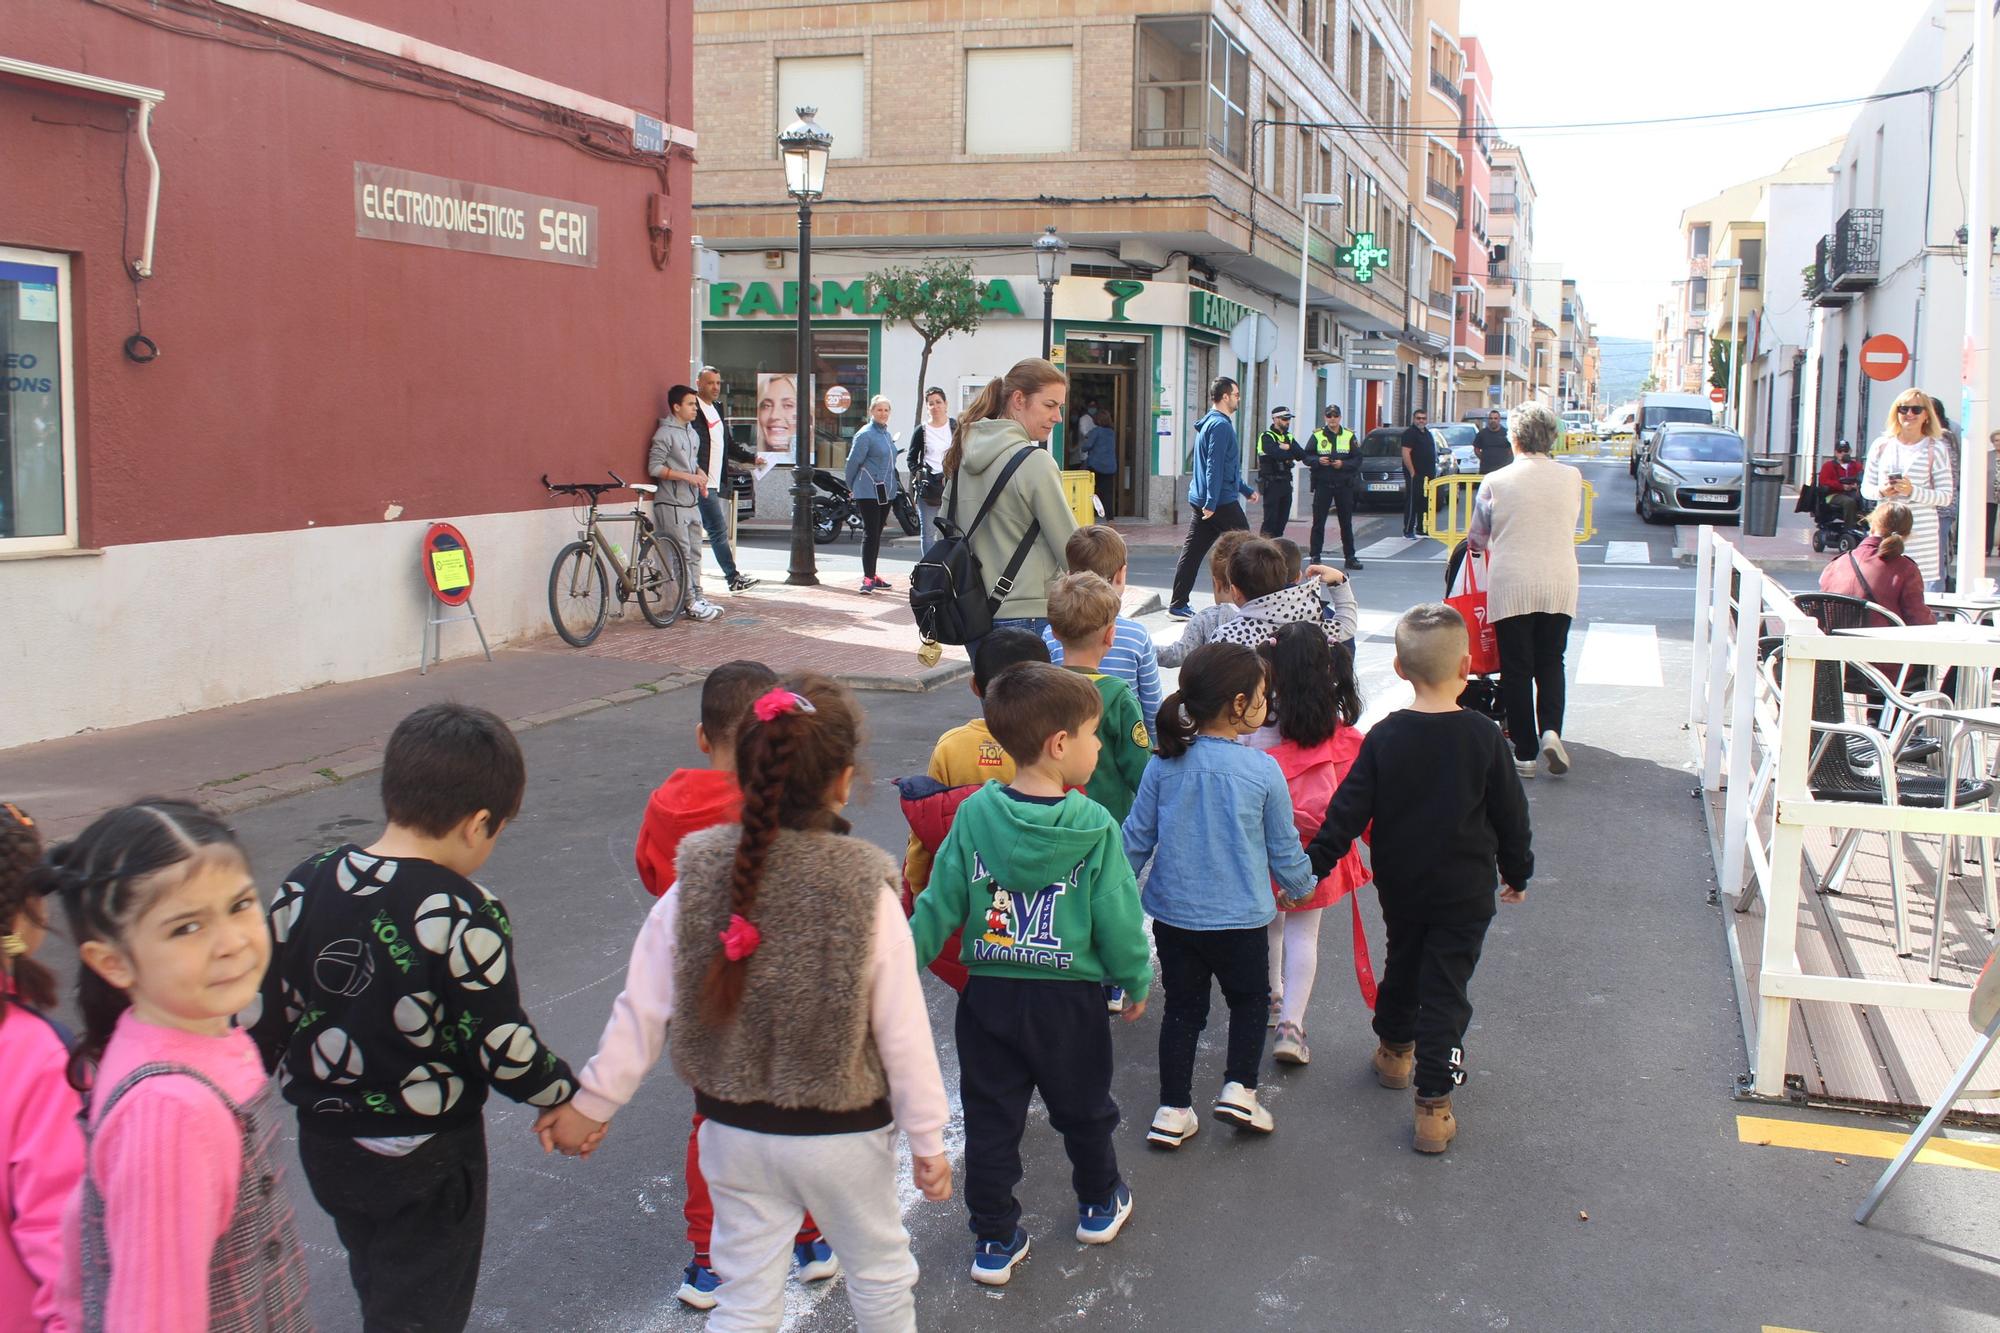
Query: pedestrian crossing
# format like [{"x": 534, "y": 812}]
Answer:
[
  {"x": 1425, "y": 548},
  {"x": 1615, "y": 654}
]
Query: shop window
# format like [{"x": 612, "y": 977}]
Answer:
[
  {"x": 1018, "y": 100},
  {"x": 37, "y": 425},
  {"x": 834, "y": 85},
  {"x": 760, "y": 387},
  {"x": 1192, "y": 84}
]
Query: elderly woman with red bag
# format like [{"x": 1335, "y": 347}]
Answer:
[{"x": 1524, "y": 522}]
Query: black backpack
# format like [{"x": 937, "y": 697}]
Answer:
[{"x": 948, "y": 592}]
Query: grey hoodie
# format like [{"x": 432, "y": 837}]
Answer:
[
  {"x": 676, "y": 446},
  {"x": 1033, "y": 493}
]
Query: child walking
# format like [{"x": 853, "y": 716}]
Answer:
[
  {"x": 1269, "y": 599},
  {"x": 1317, "y": 704},
  {"x": 1083, "y": 615},
  {"x": 182, "y": 1221},
  {"x": 39, "y": 1139},
  {"x": 781, "y": 971},
  {"x": 690, "y": 800},
  {"x": 1437, "y": 782},
  {"x": 1034, "y": 879},
  {"x": 393, "y": 1006},
  {"x": 1215, "y": 820},
  {"x": 1099, "y": 549},
  {"x": 1201, "y": 628}
]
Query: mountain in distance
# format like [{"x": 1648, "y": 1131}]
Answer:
[{"x": 1622, "y": 364}]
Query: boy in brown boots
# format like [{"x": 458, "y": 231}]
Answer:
[{"x": 1438, "y": 783}]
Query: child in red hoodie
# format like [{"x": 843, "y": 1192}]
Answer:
[{"x": 692, "y": 799}]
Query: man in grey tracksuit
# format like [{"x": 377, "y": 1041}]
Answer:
[{"x": 674, "y": 461}]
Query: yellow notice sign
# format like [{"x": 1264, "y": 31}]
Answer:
[{"x": 448, "y": 568}]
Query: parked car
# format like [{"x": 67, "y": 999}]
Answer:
[
  {"x": 1383, "y": 481},
  {"x": 1691, "y": 471},
  {"x": 1454, "y": 449},
  {"x": 1654, "y": 410}
]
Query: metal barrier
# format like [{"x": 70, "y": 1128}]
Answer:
[
  {"x": 1459, "y": 492},
  {"x": 1755, "y": 741}
]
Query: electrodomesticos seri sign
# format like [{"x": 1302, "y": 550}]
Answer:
[{"x": 408, "y": 206}]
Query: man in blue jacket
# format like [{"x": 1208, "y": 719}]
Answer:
[{"x": 1216, "y": 489}]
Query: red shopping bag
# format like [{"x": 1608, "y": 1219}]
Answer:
[{"x": 1472, "y": 605}]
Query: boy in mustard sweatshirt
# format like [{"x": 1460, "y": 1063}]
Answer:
[{"x": 1034, "y": 874}]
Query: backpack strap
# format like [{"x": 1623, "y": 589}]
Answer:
[{"x": 999, "y": 485}]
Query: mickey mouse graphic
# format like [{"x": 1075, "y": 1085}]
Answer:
[{"x": 996, "y": 920}]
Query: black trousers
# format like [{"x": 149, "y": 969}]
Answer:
[
  {"x": 1201, "y": 535},
  {"x": 1237, "y": 960},
  {"x": 1416, "y": 513},
  {"x": 1016, "y": 1038},
  {"x": 414, "y": 1226},
  {"x": 1532, "y": 683},
  {"x": 873, "y": 515},
  {"x": 1423, "y": 997},
  {"x": 1277, "y": 506},
  {"x": 1107, "y": 493},
  {"x": 1341, "y": 500}
]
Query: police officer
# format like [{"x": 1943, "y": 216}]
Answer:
[
  {"x": 1277, "y": 450},
  {"x": 1336, "y": 479}
]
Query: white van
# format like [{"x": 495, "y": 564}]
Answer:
[{"x": 1654, "y": 410}]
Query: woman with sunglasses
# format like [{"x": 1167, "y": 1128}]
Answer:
[{"x": 1908, "y": 463}]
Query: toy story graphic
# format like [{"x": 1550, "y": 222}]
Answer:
[{"x": 1021, "y": 927}]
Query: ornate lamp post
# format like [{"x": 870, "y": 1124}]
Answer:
[
  {"x": 1051, "y": 258},
  {"x": 804, "y": 146}
]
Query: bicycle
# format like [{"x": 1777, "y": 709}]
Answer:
[{"x": 579, "y": 588}]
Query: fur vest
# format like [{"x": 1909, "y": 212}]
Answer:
[{"x": 801, "y": 1039}]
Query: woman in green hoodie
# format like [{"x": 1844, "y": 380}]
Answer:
[{"x": 1013, "y": 412}]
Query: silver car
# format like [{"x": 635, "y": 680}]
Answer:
[
  {"x": 1454, "y": 449},
  {"x": 1691, "y": 471}
]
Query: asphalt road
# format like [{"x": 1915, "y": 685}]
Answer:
[{"x": 1597, "y": 1182}]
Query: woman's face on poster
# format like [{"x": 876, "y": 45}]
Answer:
[{"x": 777, "y": 412}]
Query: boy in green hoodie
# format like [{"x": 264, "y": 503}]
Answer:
[
  {"x": 1035, "y": 875},
  {"x": 1083, "y": 615}
]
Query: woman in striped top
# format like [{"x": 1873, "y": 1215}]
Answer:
[{"x": 1907, "y": 462}]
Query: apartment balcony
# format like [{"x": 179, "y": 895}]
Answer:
[
  {"x": 1504, "y": 203},
  {"x": 1449, "y": 88},
  {"x": 1819, "y": 288},
  {"x": 1440, "y": 301},
  {"x": 1449, "y": 195},
  {"x": 1854, "y": 257}
]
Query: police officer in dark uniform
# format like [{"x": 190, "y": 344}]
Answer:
[
  {"x": 1277, "y": 450},
  {"x": 1336, "y": 481}
]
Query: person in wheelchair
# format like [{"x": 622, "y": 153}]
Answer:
[{"x": 1840, "y": 487}]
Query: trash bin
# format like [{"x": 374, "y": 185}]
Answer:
[{"x": 1762, "y": 481}]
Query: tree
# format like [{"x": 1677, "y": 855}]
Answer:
[
  {"x": 1721, "y": 362},
  {"x": 1650, "y": 383},
  {"x": 936, "y": 299}
]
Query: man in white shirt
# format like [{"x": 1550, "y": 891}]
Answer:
[{"x": 714, "y": 518}]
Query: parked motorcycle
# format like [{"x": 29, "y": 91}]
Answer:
[{"x": 834, "y": 510}]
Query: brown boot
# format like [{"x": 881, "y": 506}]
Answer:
[
  {"x": 1395, "y": 1062},
  {"x": 1436, "y": 1126}
]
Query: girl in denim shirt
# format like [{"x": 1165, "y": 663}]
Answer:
[{"x": 1219, "y": 817}]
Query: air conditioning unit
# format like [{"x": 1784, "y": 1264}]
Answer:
[{"x": 1322, "y": 336}]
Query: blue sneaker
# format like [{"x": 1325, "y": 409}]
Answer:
[
  {"x": 1181, "y": 612},
  {"x": 1100, "y": 1223},
  {"x": 1114, "y": 999},
  {"x": 698, "y": 1284},
  {"x": 816, "y": 1260},
  {"x": 993, "y": 1260}
]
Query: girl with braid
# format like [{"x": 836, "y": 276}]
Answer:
[
  {"x": 39, "y": 1140},
  {"x": 781, "y": 971}
]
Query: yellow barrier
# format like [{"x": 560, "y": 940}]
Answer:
[
  {"x": 1078, "y": 489},
  {"x": 1451, "y": 525}
]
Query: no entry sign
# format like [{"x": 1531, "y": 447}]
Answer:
[
  {"x": 1718, "y": 394},
  {"x": 1884, "y": 357},
  {"x": 447, "y": 561}
]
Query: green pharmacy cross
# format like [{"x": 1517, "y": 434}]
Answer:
[{"x": 1362, "y": 255}]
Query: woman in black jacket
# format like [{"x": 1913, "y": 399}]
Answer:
[{"x": 928, "y": 445}]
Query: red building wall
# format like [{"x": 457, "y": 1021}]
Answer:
[{"x": 310, "y": 377}]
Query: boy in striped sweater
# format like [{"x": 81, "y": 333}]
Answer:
[{"x": 1099, "y": 550}]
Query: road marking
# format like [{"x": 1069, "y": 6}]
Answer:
[
  {"x": 1627, "y": 553},
  {"x": 1391, "y": 547},
  {"x": 1615, "y": 654},
  {"x": 1850, "y": 1142}
]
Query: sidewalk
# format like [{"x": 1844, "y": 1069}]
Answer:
[
  {"x": 246, "y": 754},
  {"x": 1791, "y": 548}
]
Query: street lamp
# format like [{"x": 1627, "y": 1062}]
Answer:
[
  {"x": 1308, "y": 401},
  {"x": 804, "y": 146},
  {"x": 1051, "y": 258},
  {"x": 1735, "y": 340}
]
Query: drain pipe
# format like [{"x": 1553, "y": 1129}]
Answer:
[
  {"x": 144, "y": 268},
  {"x": 27, "y": 71}
]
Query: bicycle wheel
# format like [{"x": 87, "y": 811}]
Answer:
[
  {"x": 579, "y": 595},
  {"x": 659, "y": 578}
]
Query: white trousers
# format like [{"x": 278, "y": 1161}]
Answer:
[
  {"x": 1294, "y": 940},
  {"x": 763, "y": 1184}
]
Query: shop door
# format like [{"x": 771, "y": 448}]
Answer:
[{"x": 1111, "y": 372}]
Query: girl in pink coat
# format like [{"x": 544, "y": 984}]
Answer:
[
  {"x": 39, "y": 1141},
  {"x": 1317, "y": 705}
]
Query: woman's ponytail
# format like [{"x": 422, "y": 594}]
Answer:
[
  {"x": 1026, "y": 377},
  {"x": 1173, "y": 727},
  {"x": 1891, "y": 522}
]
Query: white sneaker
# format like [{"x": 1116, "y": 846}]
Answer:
[
  {"x": 1527, "y": 768},
  {"x": 1173, "y": 1126},
  {"x": 1239, "y": 1106},
  {"x": 703, "y": 609},
  {"x": 1554, "y": 755}
]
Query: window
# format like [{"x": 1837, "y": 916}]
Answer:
[
  {"x": 1305, "y": 19},
  {"x": 1329, "y": 39},
  {"x": 1751, "y": 252},
  {"x": 1798, "y": 396},
  {"x": 1017, "y": 100},
  {"x": 833, "y": 84},
  {"x": 1193, "y": 86},
  {"x": 1378, "y": 84},
  {"x": 1271, "y": 171},
  {"x": 1697, "y": 296},
  {"x": 1698, "y": 241},
  {"x": 1355, "y": 69},
  {"x": 37, "y": 424}
]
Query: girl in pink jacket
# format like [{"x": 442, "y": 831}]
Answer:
[
  {"x": 1317, "y": 704},
  {"x": 38, "y": 1135}
]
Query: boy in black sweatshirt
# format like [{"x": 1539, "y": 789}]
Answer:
[
  {"x": 1438, "y": 783},
  {"x": 392, "y": 1003}
]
